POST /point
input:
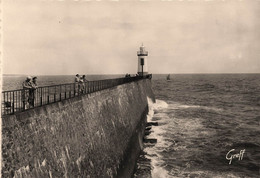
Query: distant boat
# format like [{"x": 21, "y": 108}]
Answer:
[{"x": 168, "y": 77}]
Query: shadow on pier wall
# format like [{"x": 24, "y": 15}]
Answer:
[{"x": 95, "y": 135}]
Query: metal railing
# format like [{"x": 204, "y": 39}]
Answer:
[{"x": 15, "y": 101}]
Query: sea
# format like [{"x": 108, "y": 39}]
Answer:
[
  {"x": 204, "y": 125},
  {"x": 204, "y": 120}
]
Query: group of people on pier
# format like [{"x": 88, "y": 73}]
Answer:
[
  {"x": 80, "y": 83},
  {"x": 30, "y": 85},
  {"x": 127, "y": 75}
]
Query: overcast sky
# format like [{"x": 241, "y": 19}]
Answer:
[{"x": 67, "y": 37}]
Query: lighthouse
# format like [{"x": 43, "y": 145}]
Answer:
[{"x": 142, "y": 61}]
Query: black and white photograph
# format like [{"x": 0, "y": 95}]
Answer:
[{"x": 130, "y": 88}]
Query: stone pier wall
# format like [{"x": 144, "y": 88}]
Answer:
[{"x": 93, "y": 135}]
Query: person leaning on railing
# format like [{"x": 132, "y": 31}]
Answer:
[
  {"x": 26, "y": 94},
  {"x": 82, "y": 84},
  {"x": 76, "y": 86},
  {"x": 33, "y": 90}
]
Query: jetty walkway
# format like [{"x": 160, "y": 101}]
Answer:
[{"x": 12, "y": 101}]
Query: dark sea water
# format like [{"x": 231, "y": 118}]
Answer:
[{"x": 200, "y": 119}]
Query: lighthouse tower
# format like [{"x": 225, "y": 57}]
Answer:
[{"x": 142, "y": 61}]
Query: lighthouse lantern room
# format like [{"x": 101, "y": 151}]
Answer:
[{"x": 142, "y": 61}]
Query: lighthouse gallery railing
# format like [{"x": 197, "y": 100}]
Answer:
[{"x": 13, "y": 101}]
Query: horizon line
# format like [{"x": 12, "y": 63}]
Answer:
[{"x": 129, "y": 73}]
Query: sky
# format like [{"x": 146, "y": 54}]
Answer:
[{"x": 53, "y": 37}]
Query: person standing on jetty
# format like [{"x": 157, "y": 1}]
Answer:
[
  {"x": 76, "y": 86},
  {"x": 34, "y": 82},
  {"x": 26, "y": 92},
  {"x": 33, "y": 90},
  {"x": 82, "y": 82}
]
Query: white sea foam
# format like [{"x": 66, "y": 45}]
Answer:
[
  {"x": 153, "y": 153},
  {"x": 159, "y": 104},
  {"x": 160, "y": 111},
  {"x": 197, "y": 106}
]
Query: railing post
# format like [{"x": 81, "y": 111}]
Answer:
[
  {"x": 16, "y": 100},
  {"x": 41, "y": 97},
  {"x": 74, "y": 89},
  {"x": 13, "y": 103},
  {"x": 60, "y": 92},
  {"x": 48, "y": 99},
  {"x": 85, "y": 88},
  {"x": 4, "y": 104},
  {"x": 55, "y": 94},
  {"x": 65, "y": 95},
  {"x": 23, "y": 99},
  {"x": 70, "y": 92}
]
